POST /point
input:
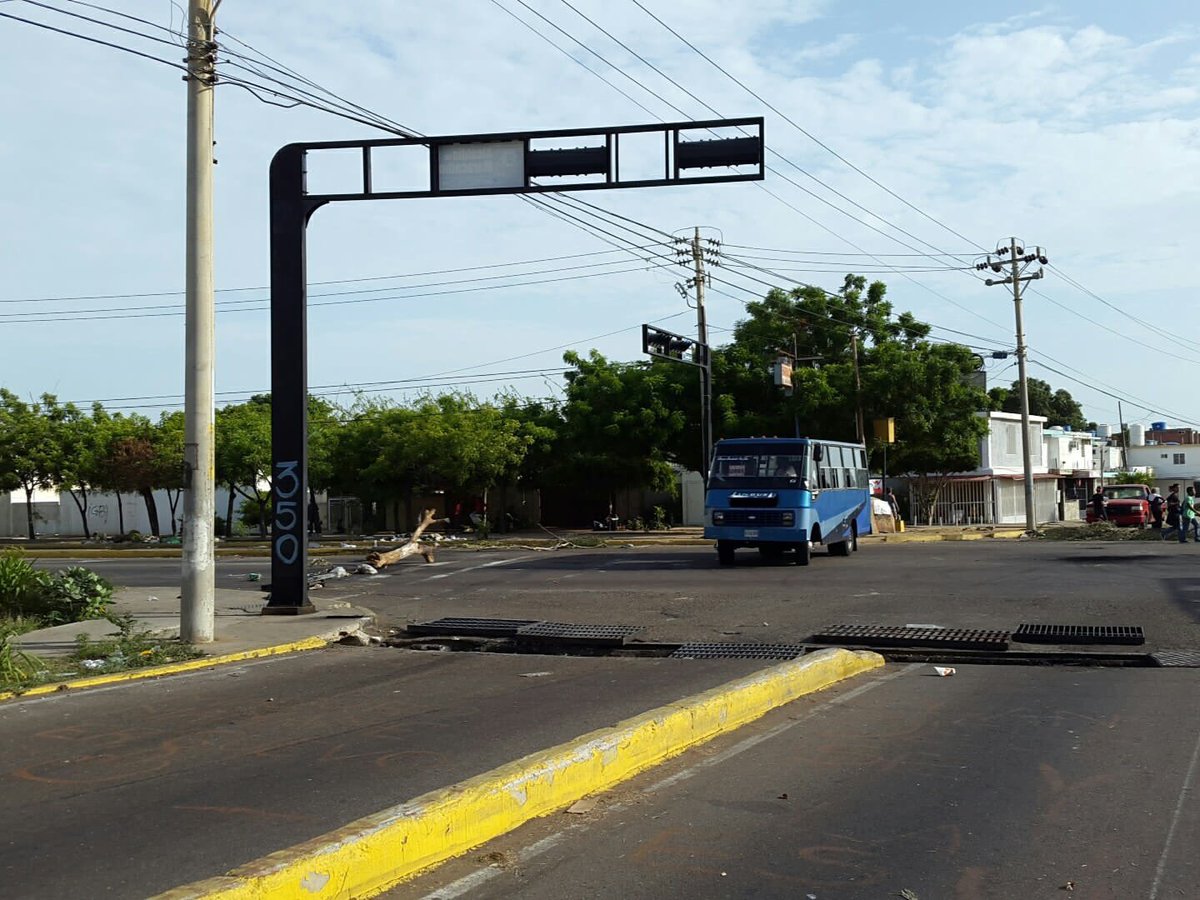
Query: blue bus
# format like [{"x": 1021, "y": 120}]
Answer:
[{"x": 787, "y": 494}]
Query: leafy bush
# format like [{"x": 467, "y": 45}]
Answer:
[
  {"x": 22, "y": 587},
  {"x": 136, "y": 537},
  {"x": 17, "y": 668},
  {"x": 75, "y": 595}
]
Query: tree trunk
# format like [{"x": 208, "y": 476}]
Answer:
[
  {"x": 229, "y": 512},
  {"x": 81, "y": 505},
  {"x": 29, "y": 509},
  {"x": 173, "y": 503},
  {"x": 264, "y": 510},
  {"x": 411, "y": 548},
  {"x": 151, "y": 511},
  {"x": 120, "y": 515}
]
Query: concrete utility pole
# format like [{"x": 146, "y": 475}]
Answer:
[
  {"x": 196, "y": 617},
  {"x": 1018, "y": 263},
  {"x": 859, "y": 429},
  {"x": 706, "y": 435}
]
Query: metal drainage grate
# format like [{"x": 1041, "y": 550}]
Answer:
[
  {"x": 700, "y": 650},
  {"x": 908, "y": 636},
  {"x": 1180, "y": 658},
  {"x": 590, "y": 634},
  {"x": 1079, "y": 634},
  {"x": 467, "y": 626}
]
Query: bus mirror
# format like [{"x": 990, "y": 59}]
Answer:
[{"x": 817, "y": 454}]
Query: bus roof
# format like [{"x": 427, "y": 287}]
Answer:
[{"x": 775, "y": 444}]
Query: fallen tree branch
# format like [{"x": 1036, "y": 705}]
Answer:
[{"x": 411, "y": 547}]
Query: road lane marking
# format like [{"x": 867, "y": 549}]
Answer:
[
  {"x": 1183, "y": 793},
  {"x": 481, "y": 876},
  {"x": 486, "y": 565}
]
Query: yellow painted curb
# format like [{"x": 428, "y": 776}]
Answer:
[
  {"x": 188, "y": 665},
  {"x": 372, "y": 854}
]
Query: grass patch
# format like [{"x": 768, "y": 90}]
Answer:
[{"x": 129, "y": 649}]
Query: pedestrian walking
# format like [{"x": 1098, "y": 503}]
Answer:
[
  {"x": 1156, "y": 508},
  {"x": 1191, "y": 514},
  {"x": 1174, "y": 516},
  {"x": 1099, "y": 502}
]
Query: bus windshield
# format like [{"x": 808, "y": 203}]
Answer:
[{"x": 756, "y": 471}]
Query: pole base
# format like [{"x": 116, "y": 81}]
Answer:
[{"x": 306, "y": 609}]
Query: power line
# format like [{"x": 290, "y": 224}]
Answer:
[
  {"x": 265, "y": 287},
  {"x": 803, "y": 131},
  {"x": 71, "y": 316},
  {"x": 84, "y": 37}
]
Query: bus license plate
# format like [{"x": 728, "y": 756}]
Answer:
[{"x": 751, "y": 532}]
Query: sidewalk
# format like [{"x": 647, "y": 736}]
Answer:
[{"x": 239, "y": 631}]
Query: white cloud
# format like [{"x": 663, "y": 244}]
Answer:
[{"x": 1073, "y": 136}]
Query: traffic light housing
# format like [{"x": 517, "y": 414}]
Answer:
[{"x": 675, "y": 347}]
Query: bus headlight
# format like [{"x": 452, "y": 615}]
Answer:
[
  {"x": 789, "y": 518},
  {"x": 718, "y": 516}
]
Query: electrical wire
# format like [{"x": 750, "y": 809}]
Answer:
[
  {"x": 84, "y": 37},
  {"x": 361, "y": 280},
  {"x": 75, "y": 316},
  {"x": 795, "y": 125}
]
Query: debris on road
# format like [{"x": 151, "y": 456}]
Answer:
[
  {"x": 944, "y": 671},
  {"x": 579, "y": 807}
]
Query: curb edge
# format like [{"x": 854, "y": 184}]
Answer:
[{"x": 374, "y": 853}]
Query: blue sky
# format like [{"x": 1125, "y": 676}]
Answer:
[{"x": 1073, "y": 126}]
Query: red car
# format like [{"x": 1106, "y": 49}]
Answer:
[{"x": 1128, "y": 504}]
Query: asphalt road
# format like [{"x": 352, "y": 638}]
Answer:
[
  {"x": 680, "y": 593},
  {"x": 128, "y": 791},
  {"x": 945, "y": 786},
  {"x": 996, "y": 783}
]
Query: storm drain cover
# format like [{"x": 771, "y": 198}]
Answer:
[
  {"x": 591, "y": 634},
  {"x": 1181, "y": 658},
  {"x": 467, "y": 626},
  {"x": 910, "y": 636},
  {"x": 700, "y": 650},
  {"x": 1079, "y": 634}
]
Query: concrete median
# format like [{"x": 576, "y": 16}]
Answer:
[{"x": 371, "y": 854}]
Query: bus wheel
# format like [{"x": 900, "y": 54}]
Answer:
[
  {"x": 854, "y": 536},
  {"x": 840, "y": 548},
  {"x": 724, "y": 553},
  {"x": 803, "y": 553}
]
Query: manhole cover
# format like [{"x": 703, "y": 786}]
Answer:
[
  {"x": 699, "y": 650},
  {"x": 908, "y": 636},
  {"x": 1079, "y": 634},
  {"x": 467, "y": 626},
  {"x": 590, "y": 634},
  {"x": 1181, "y": 658}
]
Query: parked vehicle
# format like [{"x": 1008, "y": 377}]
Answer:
[
  {"x": 787, "y": 494},
  {"x": 1128, "y": 504}
]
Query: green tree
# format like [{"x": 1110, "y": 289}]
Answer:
[
  {"x": 26, "y": 450},
  {"x": 127, "y": 463},
  {"x": 78, "y": 459},
  {"x": 243, "y": 455},
  {"x": 619, "y": 421},
  {"x": 938, "y": 426},
  {"x": 1058, "y": 406},
  {"x": 167, "y": 439}
]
